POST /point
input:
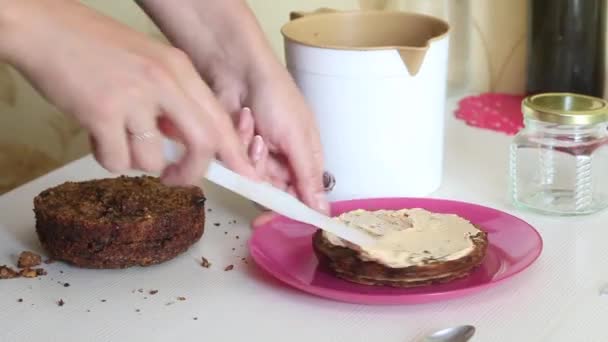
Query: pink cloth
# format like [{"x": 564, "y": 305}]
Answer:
[{"x": 497, "y": 112}]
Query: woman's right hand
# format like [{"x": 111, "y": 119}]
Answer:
[{"x": 127, "y": 90}]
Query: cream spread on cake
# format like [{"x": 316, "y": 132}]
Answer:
[{"x": 410, "y": 237}]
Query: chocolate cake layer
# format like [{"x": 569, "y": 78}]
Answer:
[{"x": 118, "y": 222}]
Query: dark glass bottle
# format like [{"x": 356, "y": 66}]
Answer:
[{"x": 566, "y": 46}]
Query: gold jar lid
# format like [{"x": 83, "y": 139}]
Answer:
[{"x": 565, "y": 108}]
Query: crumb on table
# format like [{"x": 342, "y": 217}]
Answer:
[
  {"x": 180, "y": 298},
  {"x": 28, "y": 259},
  {"x": 153, "y": 292},
  {"x": 7, "y": 272},
  {"x": 60, "y": 302},
  {"x": 205, "y": 263},
  {"x": 28, "y": 273},
  {"x": 229, "y": 268}
]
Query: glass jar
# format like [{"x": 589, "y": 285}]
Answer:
[{"x": 559, "y": 160}]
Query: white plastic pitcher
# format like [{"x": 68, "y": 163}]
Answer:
[{"x": 376, "y": 81}]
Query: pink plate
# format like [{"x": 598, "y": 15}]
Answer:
[{"x": 283, "y": 248}]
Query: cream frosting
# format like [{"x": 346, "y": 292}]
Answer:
[{"x": 409, "y": 237}]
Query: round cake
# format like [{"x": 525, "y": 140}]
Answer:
[
  {"x": 118, "y": 222},
  {"x": 414, "y": 247}
]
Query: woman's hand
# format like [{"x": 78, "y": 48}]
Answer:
[
  {"x": 285, "y": 146},
  {"x": 232, "y": 54},
  {"x": 124, "y": 88}
]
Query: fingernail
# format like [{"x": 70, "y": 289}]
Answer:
[
  {"x": 247, "y": 109},
  {"x": 257, "y": 148},
  {"x": 321, "y": 202}
]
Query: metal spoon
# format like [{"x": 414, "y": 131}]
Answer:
[{"x": 460, "y": 333}]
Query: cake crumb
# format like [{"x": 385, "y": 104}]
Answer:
[
  {"x": 88, "y": 310},
  {"x": 140, "y": 290},
  {"x": 180, "y": 298},
  {"x": 60, "y": 302},
  {"x": 217, "y": 224},
  {"x": 60, "y": 271},
  {"x": 7, "y": 272},
  {"x": 169, "y": 303},
  {"x": 40, "y": 271},
  {"x": 66, "y": 285},
  {"x": 28, "y": 259},
  {"x": 229, "y": 268},
  {"x": 209, "y": 210},
  {"x": 28, "y": 273},
  {"x": 195, "y": 318},
  {"x": 20, "y": 300},
  {"x": 234, "y": 249},
  {"x": 153, "y": 292},
  {"x": 205, "y": 263},
  {"x": 225, "y": 233},
  {"x": 103, "y": 300},
  {"x": 137, "y": 310},
  {"x": 237, "y": 237}
]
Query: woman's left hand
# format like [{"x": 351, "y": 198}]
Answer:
[{"x": 282, "y": 139}]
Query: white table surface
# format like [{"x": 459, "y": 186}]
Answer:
[{"x": 556, "y": 299}]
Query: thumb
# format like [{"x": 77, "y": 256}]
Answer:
[{"x": 307, "y": 169}]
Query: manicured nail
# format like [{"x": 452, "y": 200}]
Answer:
[
  {"x": 257, "y": 148},
  {"x": 321, "y": 203},
  {"x": 242, "y": 128}
]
